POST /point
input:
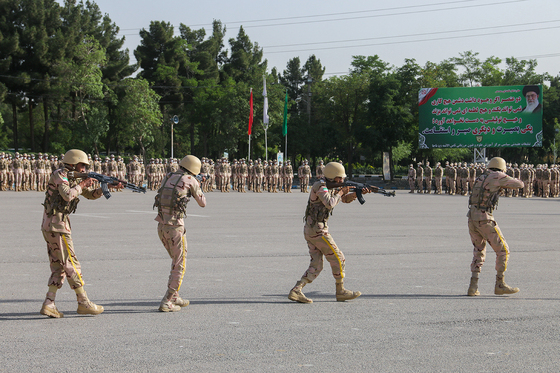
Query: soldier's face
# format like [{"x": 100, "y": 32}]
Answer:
[{"x": 80, "y": 167}]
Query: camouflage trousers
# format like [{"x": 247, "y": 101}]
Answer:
[
  {"x": 322, "y": 244},
  {"x": 482, "y": 232},
  {"x": 175, "y": 242},
  {"x": 63, "y": 261}
]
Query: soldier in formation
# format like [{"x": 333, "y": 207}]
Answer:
[
  {"x": 484, "y": 229},
  {"x": 316, "y": 232},
  {"x": 171, "y": 201},
  {"x": 61, "y": 200}
]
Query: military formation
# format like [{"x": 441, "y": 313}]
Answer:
[
  {"x": 458, "y": 179},
  {"x": 177, "y": 182}
]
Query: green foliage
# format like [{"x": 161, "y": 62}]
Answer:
[
  {"x": 139, "y": 117},
  {"x": 65, "y": 62}
]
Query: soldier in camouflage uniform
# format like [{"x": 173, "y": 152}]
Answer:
[
  {"x": 121, "y": 168},
  {"x": 428, "y": 173},
  {"x": 61, "y": 199},
  {"x": 484, "y": 229},
  {"x": 3, "y": 172},
  {"x": 438, "y": 176},
  {"x": 243, "y": 175},
  {"x": 316, "y": 232},
  {"x": 419, "y": 178},
  {"x": 274, "y": 173},
  {"x": 171, "y": 201},
  {"x": 411, "y": 178},
  {"x": 319, "y": 170},
  {"x": 17, "y": 169},
  {"x": 289, "y": 177}
]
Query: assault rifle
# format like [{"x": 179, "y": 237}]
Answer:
[
  {"x": 357, "y": 188},
  {"x": 105, "y": 181}
]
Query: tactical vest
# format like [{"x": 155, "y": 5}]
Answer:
[
  {"x": 482, "y": 198},
  {"x": 317, "y": 211},
  {"x": 55, "y": 204},
  {"x": 168, "y": 201}
]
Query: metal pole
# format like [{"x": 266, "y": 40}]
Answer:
[
  {"x": 266, "y": 144},
  {"x": 171, "y": 139},
  {"x": 249, "y": 150}
]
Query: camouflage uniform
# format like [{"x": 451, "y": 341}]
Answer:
[
  {"x": 289, "y": 177},
  {"x": 61, "y": 199},
  {"x": 171, "y": 201},
  {"x": 411, "y": 178},
  {"x": 17, "y": 168},
  {"x": 419, "y": 178},
  {"x": 482, "y": 226},
  {"x": 320, "y": 206},
  {"x": 428, "y": 178}
]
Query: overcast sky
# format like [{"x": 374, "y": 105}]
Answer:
[{"x": 425, "y": 30}]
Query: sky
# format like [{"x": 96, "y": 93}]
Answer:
[{"x": 334, "y": 31}]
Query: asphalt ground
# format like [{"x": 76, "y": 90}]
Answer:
[{"x": 409, "y": 256}]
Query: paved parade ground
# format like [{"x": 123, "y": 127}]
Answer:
[{"x": 409, "y": 256}]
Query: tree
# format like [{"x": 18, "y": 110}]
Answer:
[
  {"x": 245, "y": 64},
  {"x": 471, "y": 65},
  {"x": 83, "y": 81},
  {"x": 343, "y": 107},
  {"x": 138, "y": 114}
]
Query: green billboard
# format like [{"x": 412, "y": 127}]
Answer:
[{"x": 480, "y": 117}]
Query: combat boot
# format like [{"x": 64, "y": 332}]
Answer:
[
  {"x": 51, "y": 311},
  {"x": 296, "y": 294},
  {"x": 49, "y": 308},
  {"x": 178, "y": 301},
  {"x": 473, "y": 287},
  {"x": 89, "y": 308},
  {"x": 167, "y": 306},
  {"x": 85, "y": 306},
  {"x": 342, "y": 294},
  {"x": 503, "y": 288}
]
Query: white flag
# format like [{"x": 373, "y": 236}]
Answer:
[{"x": 265, "y": 105}]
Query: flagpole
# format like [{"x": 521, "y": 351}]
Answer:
[
  {"x": 285, "y": 124},
  {"x": 265, "y": 116},
  {"x": 250, "y": 124}
]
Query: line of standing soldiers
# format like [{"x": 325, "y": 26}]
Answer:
[
  {"x": 22, "y": 172},
  {"x": 255, "y": 175},
  {"x": 458, "y": 178}
]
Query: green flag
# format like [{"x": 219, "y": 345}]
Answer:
[{"x": 285, "y": 126}]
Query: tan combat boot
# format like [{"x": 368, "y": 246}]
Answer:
[
  {"x": 503, "y": 288},
  {"x": 167, "y": 306},
  {"x": 473, "y": 287},
  {"x": 296, "y": 294},
  {"x": 51, "y": 311},
  {"x": 342, "y": 294},
  {"x": 49, "y": 308},
  {"x": 178, "y": 301},
  {"x": 85, "y": 306},
  {"x": 167, "y": 303}
]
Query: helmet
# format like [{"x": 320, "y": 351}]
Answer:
[
  {"x": 191, "y": 164},
  {"x": 497, "y": 162},
  {"x": 75, "y": 156},
  {"x": 334, "y": 169}
]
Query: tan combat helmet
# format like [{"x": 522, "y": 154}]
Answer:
[
  {"x": 75, "y": 156},
  {"x": 334, "y": 169},
  {"x": 497, "y": 163},
  {"x": 191, "y": 163}
]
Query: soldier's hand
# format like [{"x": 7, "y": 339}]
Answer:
[
  {"x": 345, "y": 190},
  {"x": 366, "y": 191},
  {"x": 118, "y": 186},
  {"x": 86, "y": 183}
]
